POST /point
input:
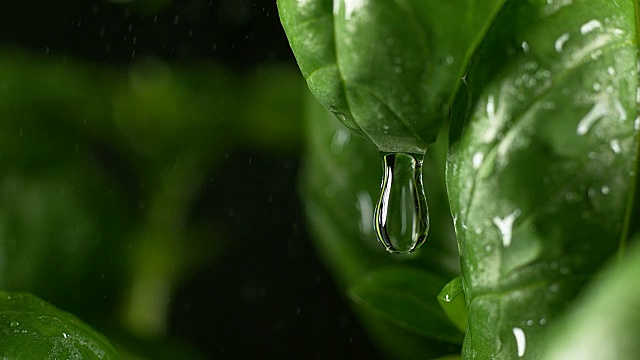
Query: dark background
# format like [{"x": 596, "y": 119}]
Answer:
[{"x": 268, "y": 296}]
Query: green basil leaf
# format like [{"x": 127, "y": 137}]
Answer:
[
  {"x": 384, "y": 68},
  {"x": 408, "y": 297},
  {"x": 30, "y": 328},
  {"x": 543, "y": 154},
  {"x": 605, "y": 321}
]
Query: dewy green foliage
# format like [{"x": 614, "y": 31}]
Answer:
[
  {"x": 33, "y": 329},
  {"x": 542, "y": 164},
  {"x": 543, "y": 152}
]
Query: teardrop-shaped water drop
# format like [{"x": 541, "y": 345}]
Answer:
[{"x": 402, "y": 217}]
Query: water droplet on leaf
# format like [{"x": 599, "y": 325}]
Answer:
[
  {"x": 505, "y": 226},
  {"x": 521, "y": 341},
  {"x": 402, "y": 217}
]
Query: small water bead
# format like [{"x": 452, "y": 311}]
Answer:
[
  {"x": 590, "y": 26},
  {"x": 560, "y": 41},
  {"x": 452, "y": 301},
  {"x": 521, "y": 340},
  {"x": 505, "y": 226},
  {"x": 401, "y": 216}
]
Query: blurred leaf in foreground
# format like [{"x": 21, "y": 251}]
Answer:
[
  {"x": 604, "y": 322},
  {"x": 31, "y": 328}
]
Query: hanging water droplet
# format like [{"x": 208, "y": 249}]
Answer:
[{"x": 402, "y": 217}]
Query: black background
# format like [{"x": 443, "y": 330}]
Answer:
[{"x": 269, "y": 297}]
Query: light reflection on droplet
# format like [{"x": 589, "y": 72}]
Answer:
[{"x": 401, "y": 216}]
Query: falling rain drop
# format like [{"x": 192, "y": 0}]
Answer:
[{"x": 402, "y": 217}]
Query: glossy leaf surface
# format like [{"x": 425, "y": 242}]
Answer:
[
  {"x": 31, "y": 328},
  {"x": 384, "y": 68},
  {"x": 543, "y": 152}
]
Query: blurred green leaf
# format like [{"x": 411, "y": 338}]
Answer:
[
  {"x": 543, "y": 152},
  {"x": 604, "y": 322},
  {"x": 59, "y": 238},
  {"x": 103, "y": 166},
  {"x": 407, "y": 297},
  {"x": 271, "y": 112},
  {"x": 30, "y": 329}
]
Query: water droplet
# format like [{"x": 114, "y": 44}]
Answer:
[
  {"x": 525, "y": 46},
  {"x": 350, "y": 6},
  {"x": 615, "y": 146},
  {"x": 598, "y": 111},
  {"x": 559, "y": 44},
  {"x": 15, "y": 323},
  {"x": 477, "y": 160},
  {"x": 452, "y": 301},
  {"x": 621, "y": 110},
  {"x": 505, "y": 225},
  {"x": 521, "y": 340},
  {"x": 402, "y": 217},
  {"x": 590, "y": 26},
  {"x": 65, "y": 335},
  {"x": 548, "y": 105},
  {"x": 605, "y": 190}
]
